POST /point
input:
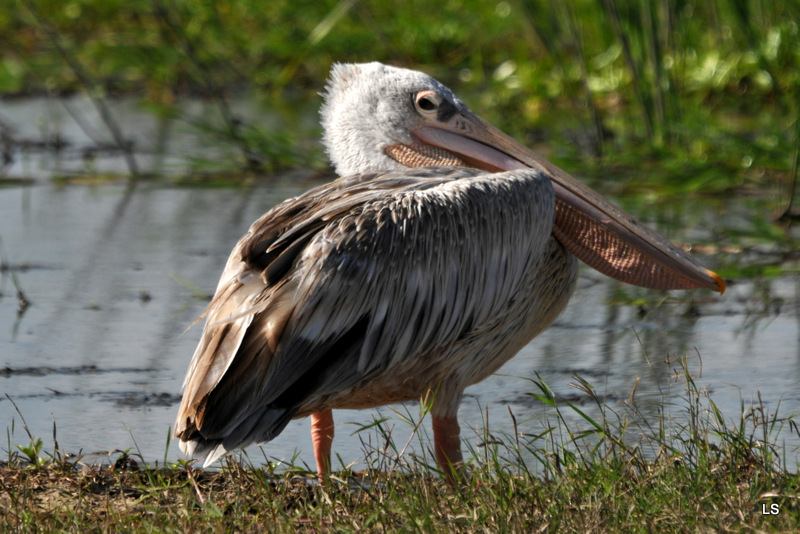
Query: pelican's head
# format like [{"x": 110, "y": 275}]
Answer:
[
  {"x": 371, "y": 111},
  {"x": 377, "y": 118}
]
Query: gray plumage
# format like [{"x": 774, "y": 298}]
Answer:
[{"x": 374, "y": 289}]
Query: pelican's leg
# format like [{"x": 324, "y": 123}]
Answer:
[
  {"x": 322, "y": 437},
  {"x": 447, "y": 444}
]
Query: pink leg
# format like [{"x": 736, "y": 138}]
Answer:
[
  {"x": 322, "y": 437},
  {"x": 447, "y": 444}
]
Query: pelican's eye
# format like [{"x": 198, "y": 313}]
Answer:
[{"x": 427, "y": 103}]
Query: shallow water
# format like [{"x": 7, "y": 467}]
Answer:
[{"x": 113, "y": 272}]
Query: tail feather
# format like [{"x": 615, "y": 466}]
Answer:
[{"x": 260, "y": 427}]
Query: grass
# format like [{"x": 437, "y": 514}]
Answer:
[{"x": 690, "y": 469}]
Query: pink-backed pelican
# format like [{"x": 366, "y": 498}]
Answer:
[{"x": 445, "y": 247}]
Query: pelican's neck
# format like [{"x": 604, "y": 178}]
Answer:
[{"x": 354, "y": 151}]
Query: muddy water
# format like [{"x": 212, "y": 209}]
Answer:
[{"x": 115, "y": 275}]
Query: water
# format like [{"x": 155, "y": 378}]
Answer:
[{"x": 113, "y": 273}]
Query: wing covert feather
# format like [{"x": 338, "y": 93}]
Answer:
[{"x": 353, "y": 279}]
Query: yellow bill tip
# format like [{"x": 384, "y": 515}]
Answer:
[{"x": 718, "y": 279}]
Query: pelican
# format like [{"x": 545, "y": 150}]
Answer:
[{"x": 443, "y": 249}]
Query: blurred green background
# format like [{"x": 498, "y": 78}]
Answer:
[{"x": 703, "y": 93}]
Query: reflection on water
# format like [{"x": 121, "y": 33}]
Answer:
[
  {"x": 46, "y": 137},
  {"x": 113, "y": 275}
]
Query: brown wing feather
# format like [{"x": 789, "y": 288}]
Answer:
[{"x": 254, "y": 286}]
